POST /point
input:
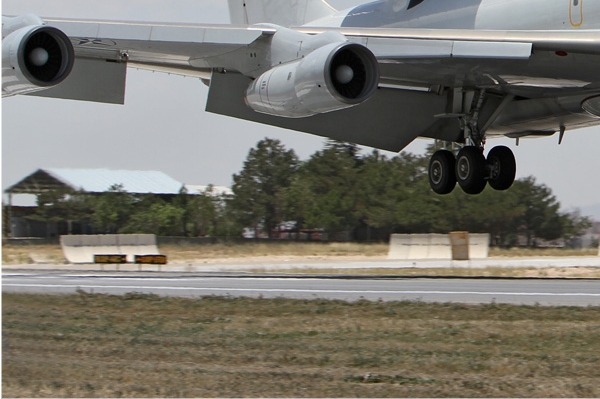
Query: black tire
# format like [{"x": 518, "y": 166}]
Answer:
[
  {"x": 442, "y": 177},
  {"x": 503, "y": 167},
  {"x": 470, "y": 170}
]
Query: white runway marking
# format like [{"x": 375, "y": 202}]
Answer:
[{"x": 305, "y": 291}]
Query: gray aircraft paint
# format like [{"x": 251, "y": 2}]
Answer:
[
  {"x": 413, "y": 14},
  {"x": 469, "y": 14},
  {"x": 451, "y": 61}
]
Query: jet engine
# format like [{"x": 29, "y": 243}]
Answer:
[
  {"x": 34, "y": 56},
  {"x": 332, "y": 77}
]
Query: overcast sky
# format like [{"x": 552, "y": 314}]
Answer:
[{"x": 163, "y": 126}]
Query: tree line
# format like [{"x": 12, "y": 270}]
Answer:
[
  {"x": 117, "y": 211},
  {"x": 337, "y": 190}
]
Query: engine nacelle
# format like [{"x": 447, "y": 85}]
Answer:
[
  {"x": 592, "y": 105},
  {"x": 34, "y": 57},
  {"x": 333, "y": 77}
]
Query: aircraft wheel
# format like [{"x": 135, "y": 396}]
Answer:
[
  {"x": 470, "y": 170},
  {"x": 442, "y": 177},
  {"x": 503, "y": 166}
]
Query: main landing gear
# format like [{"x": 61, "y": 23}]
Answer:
[{"x": 471, "y": 170}]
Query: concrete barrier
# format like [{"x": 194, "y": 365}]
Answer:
[
  {"x": 479, "y": 246},
  {"x": 399, "y": 246},
  {"x": 419, "y": 246},
  {"x": 434, "y": 246},
  {"x": 82, "y": 248},
  {"x": 438, "y": 247}
]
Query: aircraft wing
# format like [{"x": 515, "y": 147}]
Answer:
[
  {"x": 103, "y": 50},
  {"x": 414, "y": 68},
  {"x": 506, "y": 61},
  {"x": 186, "y": 46},
  {"x": 425, "y": 57}
]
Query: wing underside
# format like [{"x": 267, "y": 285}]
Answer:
[
  {"x": 104, "y": 49},
  {"x": 419, "y": 70}
]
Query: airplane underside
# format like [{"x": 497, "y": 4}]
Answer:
[
  {"x": 459, "y": 116},
  {"x": 380, "y": 74},
  {"x": 507, "y": 116}
]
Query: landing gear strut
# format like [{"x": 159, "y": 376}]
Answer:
[{"x": 471, "y": 170}]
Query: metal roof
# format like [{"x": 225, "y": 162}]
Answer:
[
  {"x": 216, "y": 191},
  {"x": 96, "y": 181}
]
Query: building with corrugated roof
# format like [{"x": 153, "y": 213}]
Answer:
[
  {"x": 96, "y": 181},
  {"x": 215, "y": 191},
  {"x": 22, "y": 196}
]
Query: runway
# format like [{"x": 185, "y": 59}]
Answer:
[
  {"x": 269, "y": 264},
  {"x": 551, "y": 292}
]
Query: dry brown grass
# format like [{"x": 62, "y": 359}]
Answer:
[
  {"x": 541, "y": 252},
  {"x": 191, "y": 253},
  {"x": 147, "y": 346},
  {"x": 292, "y": 251},
  {"x": 26, "y": 254}
]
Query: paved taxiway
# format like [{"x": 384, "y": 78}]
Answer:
[
  {"x": 515, "y": 291},
  {"x": 275, "y": 265}
]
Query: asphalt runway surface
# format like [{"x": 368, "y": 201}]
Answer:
[{"x": 547, "y": 292}]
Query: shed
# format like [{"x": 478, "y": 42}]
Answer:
[
  {"x": 92, "y": 181},
  {"x": 96, "y": 181},
  {"x": 215, "y": 191}
]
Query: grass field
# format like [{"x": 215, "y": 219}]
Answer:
[{"x": 137, "y": 345}]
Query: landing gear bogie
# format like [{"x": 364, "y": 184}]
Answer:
[{"x": 471, "y": 170}]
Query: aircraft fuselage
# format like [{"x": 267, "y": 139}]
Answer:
[{"x": 470, "y": 14}]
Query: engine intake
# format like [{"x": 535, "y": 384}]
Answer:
[
  {"x": 333, "y": 77},
  {"x": 34, "y": 58}
]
